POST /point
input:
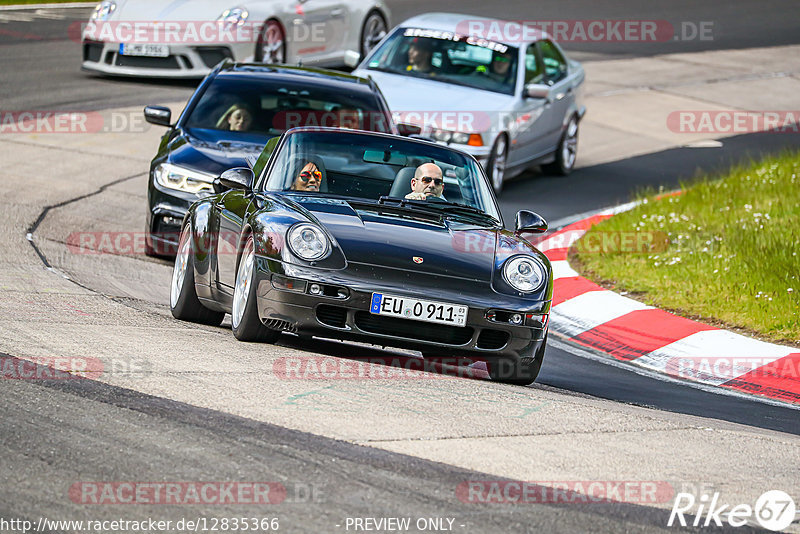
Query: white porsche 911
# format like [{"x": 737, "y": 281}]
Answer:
[{"x": 187, "y": 38}]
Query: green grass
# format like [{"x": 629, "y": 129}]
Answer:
[{"x": 733, "y": 252}]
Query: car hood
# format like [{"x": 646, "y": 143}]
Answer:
[
  {"x": 175, "y": 10},
  {"x": 403, "y": 96},
  {"x": 394, "y": 238},
  {"x": 208, "y": 152}
]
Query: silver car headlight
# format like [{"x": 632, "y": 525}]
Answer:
[
  {"x": 103, "y": 10},
  {"x": 308, "y": 242},
  {"x": 180, "y": 179},
  {"x": 234, "y": 16},
  {"x": 460, "y": 138},
  {"x": 524, "y": 273}
]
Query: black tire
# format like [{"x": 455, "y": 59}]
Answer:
[
  {"x": 373, "y": 17},
  {"x": 248, "y": 326},
  {"x": 567, "y": 151},
  {"x": 183, "y": 301},
  {"x": 271, "y": 29},
  {"x": 519, "y": 372},
  {"x": 496, "y": 166}
]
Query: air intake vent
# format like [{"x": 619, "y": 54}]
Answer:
[
  {"x": 334, "y": 316},
  {"x": 414, "y": 330},
  {"x": 492, "y": 339},
  {"x": 277, "y": 324}
]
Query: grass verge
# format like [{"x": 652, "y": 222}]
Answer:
[{"x": 731, "y": 254}]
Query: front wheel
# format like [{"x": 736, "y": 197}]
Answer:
[
  {"x": 496, "y": 167},
  {"x": 183, "y": 301},
  {"x": 244, "y": 313},
  {"x": 271, "y": 43},
  {"x": 518, "y": 371},
  {"x": 567, "y": 151},
  {"x": 372, "y": 31}
]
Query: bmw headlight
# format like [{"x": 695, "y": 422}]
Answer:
[
  {"x": 524, "y": 273},
  {"x": 180, "y": 179},
  {"x": 308, "y": 242},
  {"x": 103, "y": 10},
  {"x": 236, "y": 16},
  {"x": 461, "y": 138}
]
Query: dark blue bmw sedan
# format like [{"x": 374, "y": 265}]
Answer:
[{"x": 233, "y": 113}]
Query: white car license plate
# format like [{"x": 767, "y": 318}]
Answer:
[
  {"x": 418, "y": 310},
  {"x": 149, "y": 50}
]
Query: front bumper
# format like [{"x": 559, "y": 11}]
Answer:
[
  {"x": 332, "y": 315},
  {"x": 184, "y": 61},
  {"x": 166, "y": 210}
]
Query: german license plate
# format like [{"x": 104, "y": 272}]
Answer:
[
  {"x": 148, "y": 50},
  {"x": 418, "y": 310}
]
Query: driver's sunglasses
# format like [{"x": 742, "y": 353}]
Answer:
[
  {"x": 502, "y": 59},
  {"x": 436, "y": 181},
  {"x": 306, "y": 175}
]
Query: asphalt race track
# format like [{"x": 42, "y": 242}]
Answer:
[{"x": 197, "y": 423}]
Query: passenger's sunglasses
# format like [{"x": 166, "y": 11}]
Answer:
[
  {"x": 436, "y": 181},
  {"x": 502, "y": 59},
  {"x": 306, "y": 175}
]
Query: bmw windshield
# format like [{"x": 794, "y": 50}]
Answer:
[
  {"x": 448, "y": 57},
  {"x": 246, "y": 106},
  {"x": 381, "y": 169}
]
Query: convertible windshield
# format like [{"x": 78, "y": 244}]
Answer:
[
  {"x": 246, "y": 105},
  {"x": 379, "y": 169},
  {"x": 448, "y": 57}
]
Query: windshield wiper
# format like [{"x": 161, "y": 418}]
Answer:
[{"x": 439, "y": 206}]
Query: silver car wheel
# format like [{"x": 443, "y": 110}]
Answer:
[
  {"x": 374, "y": 31},
  {"x": 499, "y": 163},
  {"x": 272, "y": 50},
  {"x": 241, "y": 290},
  {"x": 179, "y": 270},
  {"x": 569, "y": 149}
]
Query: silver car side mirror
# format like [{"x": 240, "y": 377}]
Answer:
[
  {"x": 351, "y": 58},
  {"x": 536, "y": 90}
]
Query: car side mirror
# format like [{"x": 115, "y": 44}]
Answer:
[
  {"x": 158, "y": 115},
  {"x": 406, "y": 130},
  {"x": 238, "y": 178},
  {"x": 528, "y": 221},
  {"x": 536, "y": 90},
  {"x": 351, "y": 58}
]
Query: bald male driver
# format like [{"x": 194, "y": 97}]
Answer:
[{"x": 427, "y": 182}]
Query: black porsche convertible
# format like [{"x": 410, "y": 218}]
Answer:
[{"x": 370, "y": 237}]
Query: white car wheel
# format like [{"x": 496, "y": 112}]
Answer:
[{"x": 373, "y": 31}]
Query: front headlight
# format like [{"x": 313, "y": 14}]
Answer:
[
  {"x": 308, "y": 242},
  {"x": 180, "y": 179},
  {"x": 234, "y": 16},
  {"x": 103, "y": 10},
  {"x": 461, "y": 138},
  {"x": 524, "y": 273}
]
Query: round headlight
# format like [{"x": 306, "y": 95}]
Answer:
[
  {"x": 307, "y": 242},
  {"x": 524, "y": 273}
]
